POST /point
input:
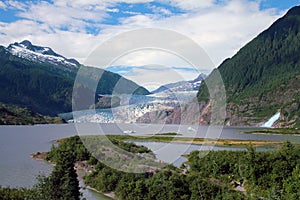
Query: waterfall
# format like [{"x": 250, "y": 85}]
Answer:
[{"x": 271, "y": 121}]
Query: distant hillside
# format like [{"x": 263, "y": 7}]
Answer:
[
  {"x": 13, "y": 115},
  {"x": 264, "y": 76},
  {"x": 42, "y": 80},
  {"x": 182, "y": 85}
]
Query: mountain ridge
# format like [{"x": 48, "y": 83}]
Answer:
[
  {"x": 262, "y": 78},
  {"x": 27, "y": 50},
  {"x": 45, "y": 86},
  {"x": 182, "y": 85}
]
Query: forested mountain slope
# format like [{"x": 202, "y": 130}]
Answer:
[
  {"x": 264, "y": 76},
  {"x": 42, "y": 80}
]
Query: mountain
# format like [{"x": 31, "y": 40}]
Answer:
[
  {"x": 12, "y": 115},
  {"x": 42, "y": 80},
  {"x": 40, "y": 54},
  {"x": 181, "y": 85},
  {"x": 263, "y": 77}
]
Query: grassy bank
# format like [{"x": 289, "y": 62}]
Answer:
[
  {"x": 198, "y": 141},
  {"x": 275, "y": 131}
]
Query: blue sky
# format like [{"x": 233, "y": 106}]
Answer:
[
  {"x": 74, "y": 28},
  {"x": 11, "y": 10},
  {"x": 279, "y": 4}
]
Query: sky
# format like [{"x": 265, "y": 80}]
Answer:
[{"x": 76, "y": 28}]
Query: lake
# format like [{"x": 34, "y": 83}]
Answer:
[{"x": 17, "y": 143}]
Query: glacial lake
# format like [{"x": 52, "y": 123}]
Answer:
[{"x": 17, "y": 143}]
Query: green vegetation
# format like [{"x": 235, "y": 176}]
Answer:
[
  {"x": 77, "y": 144},
  {"x": 74, "y": 145},
  {"x": 43, "y": 88},
  {"x": 220, "y": 142},
  {"x": 62, "y": 183},
  {"x": 266, "y": 175},
  {"x": 280, "y": 131},
  {"x": 164, "y": 184},
  {"x": 207, "y": 177},
  {"x": 47, "y": 88},
  {"x": 13, "y": 115},
  {"x": 15, "y": 193},
  {"x": 168, "y": 134},
  {"x": 211, "y": 175},
  {"x": 263, "y": 175},
  {"x": 114, "y": 152},
  {"x": 263, "y": 77}
]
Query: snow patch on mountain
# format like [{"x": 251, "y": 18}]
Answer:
[
  {"x": 182, "y": 85},
  {"x": 39, "y": 54}
]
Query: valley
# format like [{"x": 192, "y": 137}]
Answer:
[{"x": 73, "y": 129}]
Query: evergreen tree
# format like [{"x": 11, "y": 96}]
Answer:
[{"x": 63, "y": 180}]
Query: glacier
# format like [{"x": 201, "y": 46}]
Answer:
[{"x": 133, "y": 107}]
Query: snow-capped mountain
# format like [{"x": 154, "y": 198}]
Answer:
[
  {"x": 182, "y": 85},
  {"x": 39, "y": 54},
  {"x": 197, "y": 81},
  {"x": 38, "y": 78}
]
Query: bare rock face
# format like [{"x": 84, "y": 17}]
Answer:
[
  {"x": 184, "y": 114},
  {"x": 249, "y": 111},
  {"x": 155, "y": 117},
  {"x": 253, "y": 111}
]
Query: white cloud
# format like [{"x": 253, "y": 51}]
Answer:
[
  {"x": 55, "y": 16},
  {"x": 145, "y": 57},
  {"x": 160, "y": 10},
  {"x": 132, "y": 13},
  {"x": 16, "y": 5},
  {"x": 191, "y": 4},
  {"x": 70, "y": 44},
  {"x": 113, "y": 10},
  {"x": 153, "y": 76},
  {"x": 2, "y": 5},
  {"x": 93, "y": 3},
  {"x": 156, "y": 57},
  {"x": 11, "y": 31},
  {"x": 221, "y": 29}
]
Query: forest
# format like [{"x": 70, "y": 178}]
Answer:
[
  {"x": 14, "y": 115},
  {"x": 263, "y": 77},
  {"x": 262, "y": 175},
  {"x": 47, "y": 89}
]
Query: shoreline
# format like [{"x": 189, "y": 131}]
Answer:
[
  {"x": 231, "y": 143},
  {"x": 110, "y": 195},
  {"x": 276, "y": 134},
  {"x": 81, "y": 166},
  {"x": 203, "y": 141},
  {"x": 279, "y": 132},
  {"x": 40, "y": 156}
]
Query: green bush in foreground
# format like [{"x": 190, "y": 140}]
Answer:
[{"x": 265, "y": 175}]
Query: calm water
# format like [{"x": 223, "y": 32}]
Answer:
[
  {"x": 17, "y": 169},
  {"x": 171, "y": 152}
]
